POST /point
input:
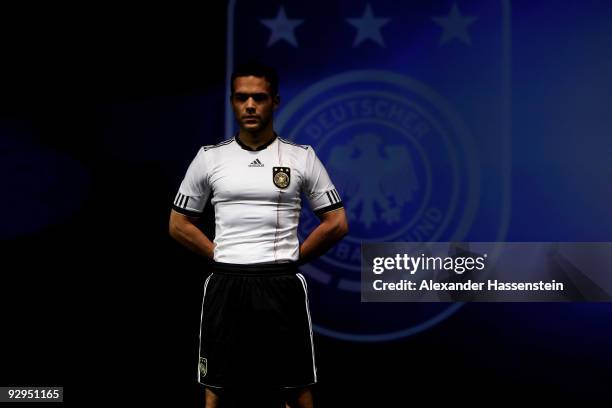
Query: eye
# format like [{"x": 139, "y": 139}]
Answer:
[
  {"x": 260, "y": 97},
  {"x": 240, "y": 97}
]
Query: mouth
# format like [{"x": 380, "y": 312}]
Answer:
[{"x": 251, "y": 119}]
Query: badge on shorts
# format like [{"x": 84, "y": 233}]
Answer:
[
  {"x": 203, "y": 367},
  {"x": 281, "y": 176}
]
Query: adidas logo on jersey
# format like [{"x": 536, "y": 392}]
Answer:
[{"x": 256, "y": 163}]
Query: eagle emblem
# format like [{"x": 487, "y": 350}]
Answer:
[{"x": 281, "y": 176}]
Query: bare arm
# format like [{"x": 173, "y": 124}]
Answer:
[
  {"x": 183, "y": 229},
  {"x": 332, "y": 228}
]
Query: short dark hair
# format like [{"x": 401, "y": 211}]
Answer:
[{"x": 256, "y": 69}]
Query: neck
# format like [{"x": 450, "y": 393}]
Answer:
[{"x": 256, "y": 139}]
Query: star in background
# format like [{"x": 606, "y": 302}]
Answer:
[
  {"x": 455, "y": 26},
  {"x": 368, "y": 27},
  {"x": 282, "y": 28}
]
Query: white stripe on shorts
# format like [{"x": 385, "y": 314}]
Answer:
[
  {"x": 303, "y": 280},
  {"x": 201, "y": 316}
]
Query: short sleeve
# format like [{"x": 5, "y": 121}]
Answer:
[
  {"x": 195, "y": 189},
  {"x": 318, "y": 188}
]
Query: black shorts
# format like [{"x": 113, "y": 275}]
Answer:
[{"x": 256, "y": 328}]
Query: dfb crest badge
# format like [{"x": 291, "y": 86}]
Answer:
[
  {"x": 281, "y": 176},
  {"x": 203, "y": 366}
]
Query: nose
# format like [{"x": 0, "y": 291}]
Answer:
[{"x": 250, "y": 105}]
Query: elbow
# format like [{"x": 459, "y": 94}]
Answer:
[
  {"x": 173, "y": 229},
  {"x": 342, "y": 229},
  {"x": 345, "y": 230}
]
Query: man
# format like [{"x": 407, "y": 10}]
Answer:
[{"x": 256, "y": 328}]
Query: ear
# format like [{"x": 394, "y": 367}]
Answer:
[{"x": 276, "y": 101}]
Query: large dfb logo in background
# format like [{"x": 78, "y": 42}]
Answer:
[
  {"x": 407, "y": 106},
  {"x": 399, "y": 156}
]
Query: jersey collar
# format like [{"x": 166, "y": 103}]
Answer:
[{"x": 263, "y": 146}]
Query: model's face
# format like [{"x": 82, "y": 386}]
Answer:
[{"x": 252, "y": 103}]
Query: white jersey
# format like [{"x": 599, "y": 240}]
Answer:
[{"x": 256, "y": 197}]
